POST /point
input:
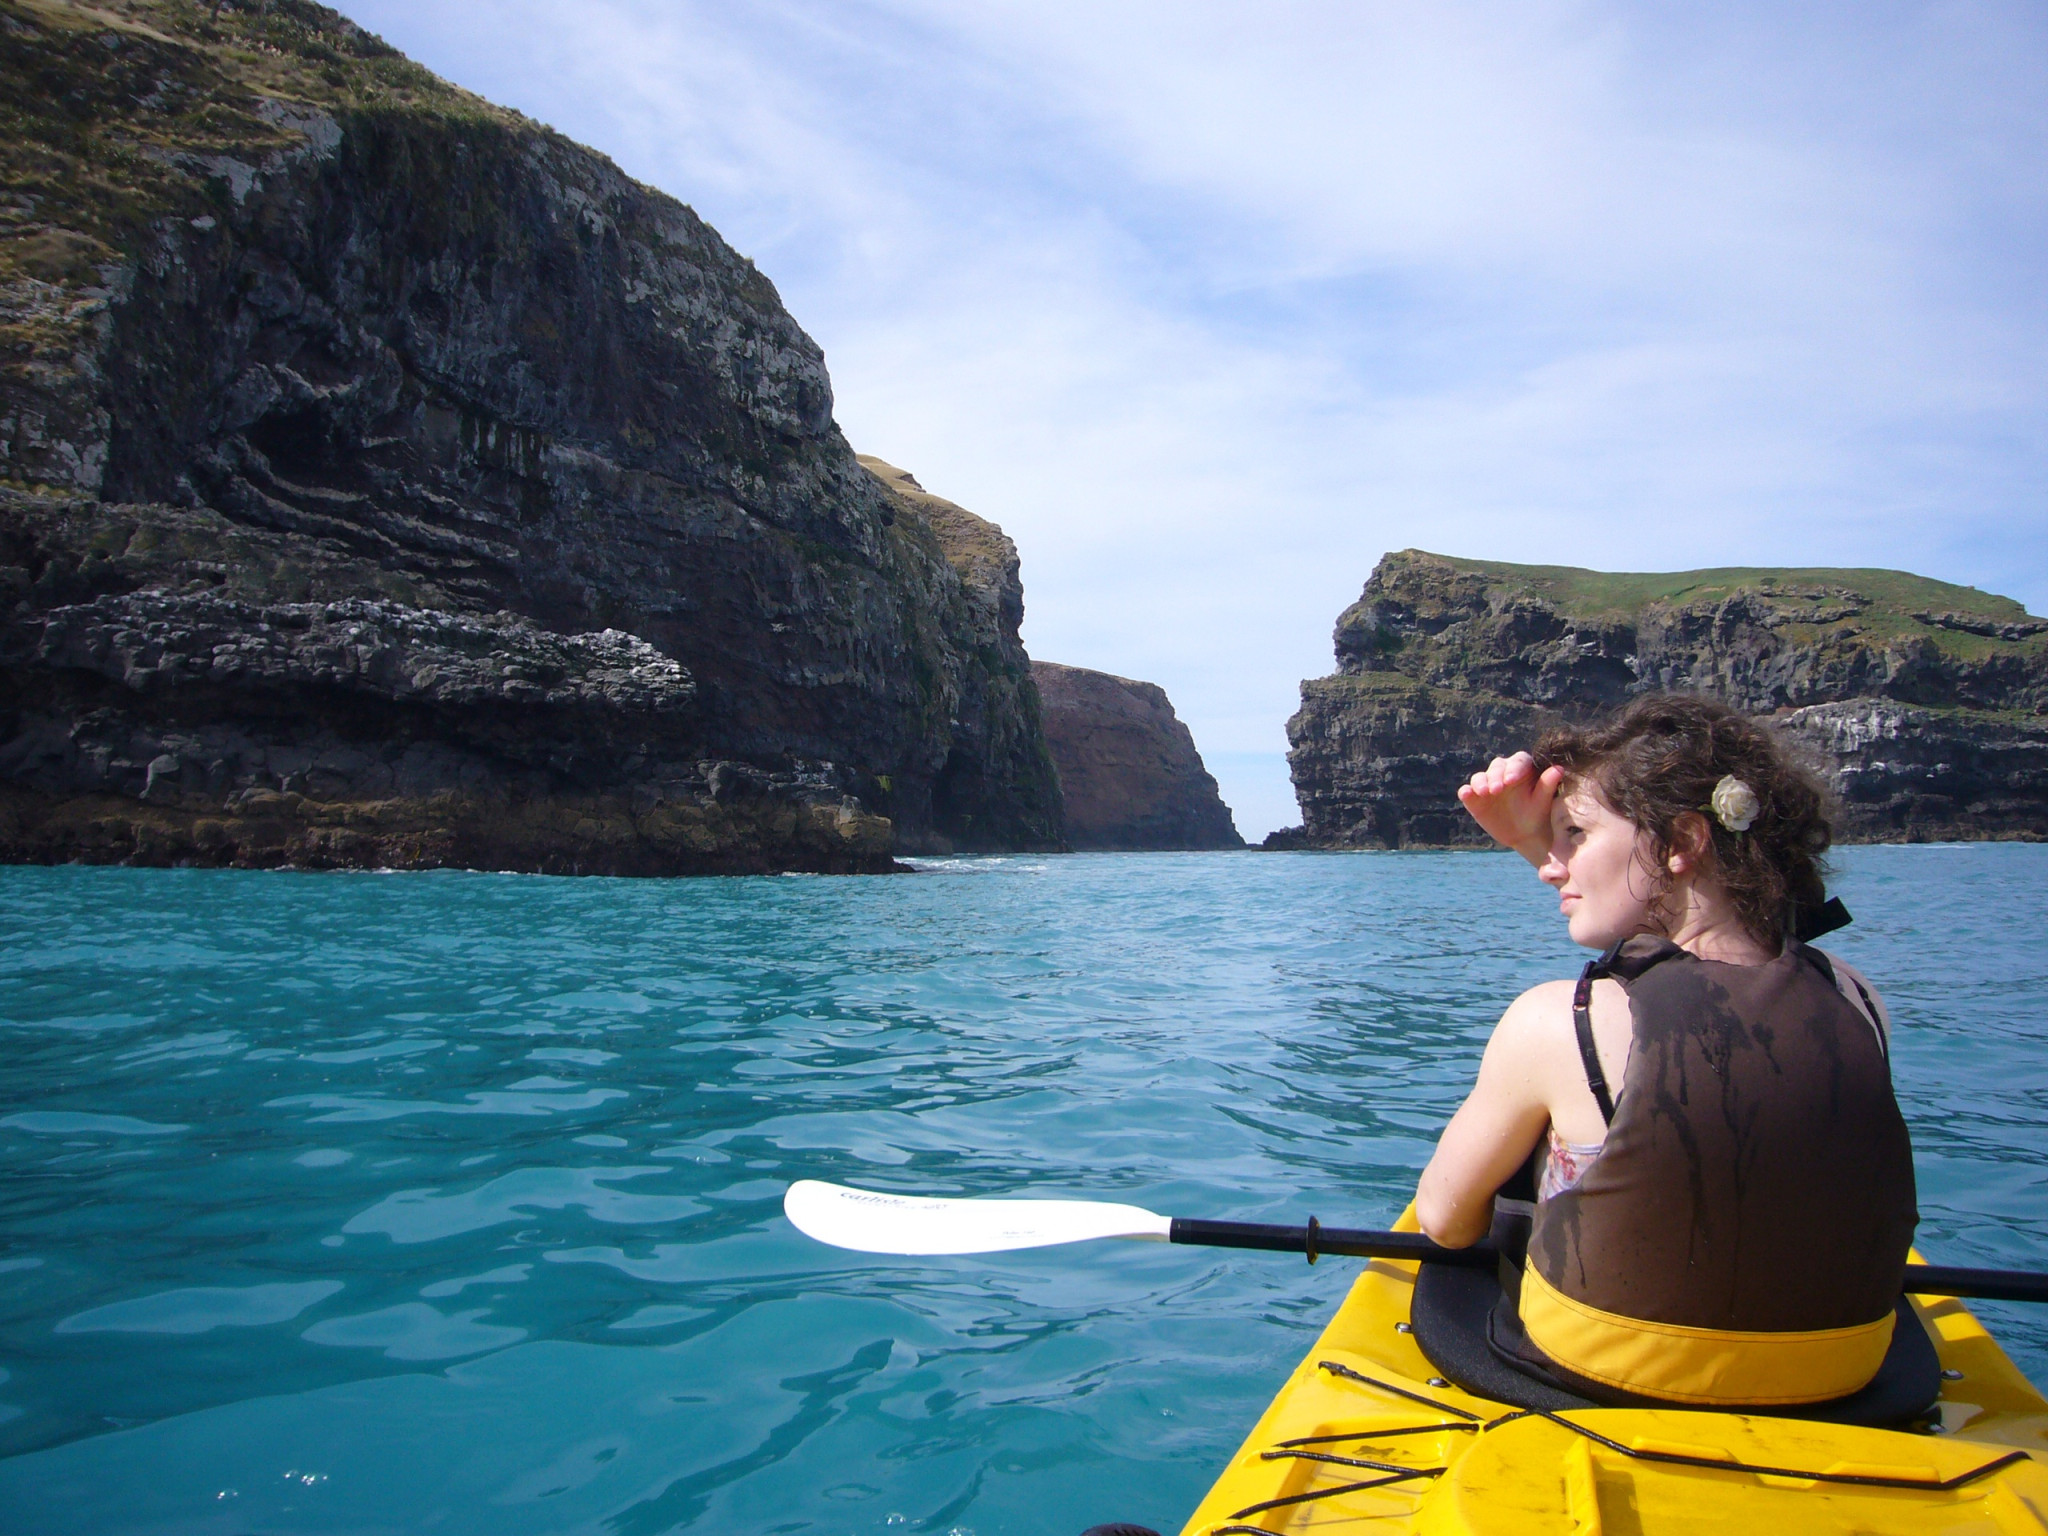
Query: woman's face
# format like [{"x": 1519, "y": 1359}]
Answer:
[{"x": 1601, "y": 865}]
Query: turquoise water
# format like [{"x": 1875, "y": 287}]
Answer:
[{"x": 360, "y": 1203}]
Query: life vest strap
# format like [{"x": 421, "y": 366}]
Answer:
[{"x": 1582, "y": 1022}]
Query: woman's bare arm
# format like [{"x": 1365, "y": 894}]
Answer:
[
  {"x": 1497, "y": 1126},
  {"x": 1511, "y": 801}
]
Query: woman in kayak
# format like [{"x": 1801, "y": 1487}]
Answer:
[{"x": 1729, "y": 1224}]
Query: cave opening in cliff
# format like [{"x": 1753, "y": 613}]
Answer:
[{"x": 297, "y": 443}]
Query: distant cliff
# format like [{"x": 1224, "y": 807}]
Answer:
[
  {"x": 391, "y": 481},
  {"x": 1926, "y": 704},
  {"x": 1128, "y": 767}
]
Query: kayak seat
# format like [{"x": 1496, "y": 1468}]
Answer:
[{"x": 1458, "y": 1315}]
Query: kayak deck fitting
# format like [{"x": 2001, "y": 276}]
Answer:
[{"x": 1366, "y": 1436}]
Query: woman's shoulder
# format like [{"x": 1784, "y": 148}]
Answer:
[
  {"x": 1860, "y": 994},
  {"x": 1544, "y": 997},
  {"x": 1843, "y": 969},
  {"x": 1555, "y": 997},
  {"x": 1537, "y": 1031},
  {"x": 1538, "y": 1012}
]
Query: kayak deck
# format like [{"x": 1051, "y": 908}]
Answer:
[{"x": 1365, "y": 1437}]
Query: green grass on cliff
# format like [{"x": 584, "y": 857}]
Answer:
[
  {"x": 97, "y": 100},
  {"x": 1852, "y": 605},
  {"x": 1616, "y": 594}
]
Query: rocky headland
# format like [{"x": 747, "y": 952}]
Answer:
[
  {"x": 1925, "y": 704},
  {"x": 1129, "y": 772},
  {"x": 386, "y": 480}
]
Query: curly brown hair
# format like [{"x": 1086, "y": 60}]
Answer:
[{"x": 1660, "y": 757}]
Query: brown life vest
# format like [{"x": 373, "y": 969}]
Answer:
[{"x": 1742, "y": 1236}]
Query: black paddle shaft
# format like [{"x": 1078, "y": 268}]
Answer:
[
  {"x": 1978, "y": 1284},
  {"x": 1316, "y": 1240}
]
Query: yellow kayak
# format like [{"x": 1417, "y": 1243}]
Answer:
[{"x": 1365, "y": 1437}]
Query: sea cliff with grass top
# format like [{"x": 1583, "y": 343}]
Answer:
[
  {"x": 386, "y": 480},
  {"x": 1925, "y": 704}
]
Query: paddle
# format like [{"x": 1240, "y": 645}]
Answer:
[{"x": 871, "y": 1222}]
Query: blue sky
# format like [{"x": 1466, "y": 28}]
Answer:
[{"x": 1211, "y": 305}]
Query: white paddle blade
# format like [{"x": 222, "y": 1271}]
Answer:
[{"x": 868, "y": 1222}]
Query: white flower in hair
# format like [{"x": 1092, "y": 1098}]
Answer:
[{"x": 1735, "y": 804}]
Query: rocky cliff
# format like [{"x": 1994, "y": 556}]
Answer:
[
  {"x": 1926, "y": 704},
  {"x": 1128, "y": 767},
  {"x": 998, "y": 788},
  {"x": 391, "y": 481}
]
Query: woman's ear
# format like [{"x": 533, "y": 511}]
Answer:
[{"x": 1690, "y": 841}]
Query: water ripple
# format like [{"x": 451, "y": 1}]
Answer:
[{"x": 365, "y": 1203}]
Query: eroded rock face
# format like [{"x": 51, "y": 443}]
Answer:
[
  {"x": 1128, "y": 766},
  {"x": 174, "y": 692},
  {"x": 352, "y": 419},
  {"x": 1925, "y": 704},
  {"x": 1004, "y": 793}
]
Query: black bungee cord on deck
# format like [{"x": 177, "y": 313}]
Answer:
[
  {"x": 1854, "y": 1479},
  {"x": 1471, "y": 1422}
]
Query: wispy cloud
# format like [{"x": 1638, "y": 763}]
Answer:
[{"x": 1210, "y": 305}]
